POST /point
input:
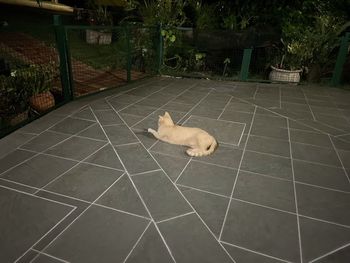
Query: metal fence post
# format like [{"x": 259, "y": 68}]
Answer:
[
  {"x": 243, "y": 76},
  {"x": 341, "y": 58},
  {"x": 160, "y": 48},
  {"x": 128, "y": 58},
  {"x": 61, "y": 41}
]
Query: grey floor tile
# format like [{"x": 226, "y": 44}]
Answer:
[
  {"x": 317, "y": 139},
  {"x": 270, "y": 121},
  {"x": 94, "y": 132},
  {"x": 149, "y": 122},
  {"x": 171, "y": 165},
  {"x": 340, "y": 256},
  {"x": 263, "y": 230},
  {"x": 22, "y": 213},
  {"x": 268, "y": 145},
  {"x": 28, "y": 256},
  {"x": 324, "y": 204},
  {"x": 12, "y": 141},
  {"x": 125, "y": 98},
  {"x": 131, "y": 119},
  {"x": 85, "y": 114},
  {"x": 190, "y": 241},
  {"x": 266, "y": 191},
  {"x": 267, "y": 164},
  {"x": 106, "y": 157},
  {"x": 343, "y": 143},
  {"x": 42, "y": 123},
  {"x": 206, "y": 111},
  {"x": 319, "y": 238},
  {"x": 108, "y": 117},
  {"x": 84, "y": 181},
  {"x": 266, "y": 130},
  {"x": 177, "y": 106},
  {"x": 298, "y": 126},
  {"x": 223, "y": 155},
  {"x": 101, "y": 104},
  {"x": 44, "y": 141},
  {"x": 170, "y": 149},
  {"x": 234, "y": 106},
  {"x": 13, "y": 159},
  {"x": 42, "y": 258},
  {"x": 315, "y": 154},
  {"x": 151, "y": 248},
  {"x": 154, "y": 102},
  {"x": 71, "y": 126},
  {"x": 224, "y": 131},
  {"x": 39, "y": 170},
  {"x": 122, "y": 196},
  {"x": 139, "y": 110},
  {"x": 160, "y": 195},
  {"x": 236, "y": 116},
  {"x": 211, "y": 208},
  {"x": 120, "y": 134},
  {"x": 143, "y": 163},
  {"x": 345, "y": 158},
  {"x": 321, "y": 175},
  {"x": 114, "y": 235},
  {"x": 17, "y": 186},
  {"x": 245, "y": 256},
  {"x": 145, "y": 137},
  {"x": 208, "y": 177},
  {"x": 75, "y": 148}
]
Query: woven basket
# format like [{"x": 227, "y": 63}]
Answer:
[{"x": 282, "y": 75}]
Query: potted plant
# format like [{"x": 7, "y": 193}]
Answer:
[{"x": 99, "y": 16}]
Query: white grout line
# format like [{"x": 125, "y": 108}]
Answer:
[
  {"x": 137, "y": 241},
  {"x": 223, "y": 110},
  {"x": 203, "y": 191},
  {"x": 340, "y": 160},
  {"x": 48, "y": 255},
  {"x": 175, "y": 217},
  {"x": 329, "y": 253},
  {"x": 295, "y": 194},
  {"x": 255, "y": 92},
  {"x": 145, "y": 173},
  {"x": 323, "y": 187},
  {"x": 133, "y": 184},
  {"x": 255, "y": 252},
  {"x": 59, "y": 222},
  {"x": 178, "y": 177},
  {"x": 234, "y": 184},
  {"x": 280, "y": 97}
]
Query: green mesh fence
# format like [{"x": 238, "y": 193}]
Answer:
[{"x": 29, "y": 74}]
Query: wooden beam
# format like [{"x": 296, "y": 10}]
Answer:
[{"x": 44, "y": 5}]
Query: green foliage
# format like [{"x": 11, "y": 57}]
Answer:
[{"x": 206, "y": 16}]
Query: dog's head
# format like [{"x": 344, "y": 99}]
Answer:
[{"x": 165, "y": 120}]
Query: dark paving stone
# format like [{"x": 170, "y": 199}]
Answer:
[
  {"x": 190, "y": 241},
  {"x": 149, "y": 122},
  {"x": 106, "y": 157},
  {"x": 223, "y": 131},
  {"x": 145, "y": 137},
  {"x": 319, "y": 238},
  {"x": 17, "y": 186},
  {"x": 241, "y": 117},
  {"x": 268, "y": 145},
  {"x": 85, "y": 114},
  {"x": 125, "y": 98},
  {"x": 44, "y": 141},
  {"x": 321, "y": 127},
  {"x": 42, "y": 123},
  {"x": 211, "y": 208},
  {"x": 267, "y": 164},
  {"x": 270, "y": 121},
  {"x": 12, "y": 141},
  {"x": 153, "y": 101},
  {"x": 324, "y": 204},
  {"x": 120, "y": 134},
  {"x": 298, "y": 126},
  {"x": 101, "y": 104},
  {"x": 266, "y": 191},
  {"x": 108, "y": 117},
  {"x": 42, "y": 258},
  {"x": 177, "y": 106},
  {"x": 266, "y": 130},
  {"x": 28, "y": 257},
  {"x": 321, "y": 175},
  {"x": 143, "y": 163},
  {"x": 139, "y": 110},
  {"x": 171, "y": 165},
  {"x": 39, "y": 170},
  {"x": 340, "y": 256},
  {"x": 315, "y": 154},
  {"x": 234, "y": 106},
  {"x": 245, "y": 256},
  {"x": 76, "y": 148},
  {"x": 122, "y": 196},
  {"x": 71, "y": 126},
  {"x": 151, "y": 248},
  {"x": 131, "y": 120},
  {"x": 209, "y": 178},
  {"x": 223, "y": 155},
  {"x": 13, "y": 158},
  {"x": 206, "y": 111},
  {"x": 78, "y": 182},
  {"x": 264, "y": 230},
  {"x": 160, "y": 195},
  {"x": 170, "y": 149},
  {"x": 345, "y": 157},
  {"x": 343, "y": 143},
  {"x": 316, "y": 139},
  {"x": 94, "y": 132},
  {"x": 22, "y": 213},
  {"x": 114, "y": 236}
]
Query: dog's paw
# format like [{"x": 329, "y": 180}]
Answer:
[{"x": 150, "y": 130}]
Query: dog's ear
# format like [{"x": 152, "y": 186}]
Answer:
[{"x": 166, "y": 114}]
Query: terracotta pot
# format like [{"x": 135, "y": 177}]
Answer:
[
  {"x": 282, "y": 75},
  {"x": 42, "y": 102}
]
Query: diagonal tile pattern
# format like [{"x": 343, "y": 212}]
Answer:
[{"x": 90, "y": 185}]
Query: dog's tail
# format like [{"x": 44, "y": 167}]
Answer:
[{"x": 199, "y": 153}]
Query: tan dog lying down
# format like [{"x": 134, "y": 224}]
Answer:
[{"x": 200, "y": 142}]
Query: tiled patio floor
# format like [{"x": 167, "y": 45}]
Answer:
[{"x": 85, "y": 183}]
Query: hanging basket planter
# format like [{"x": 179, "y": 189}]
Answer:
[{"x": 283, "y": 75}]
